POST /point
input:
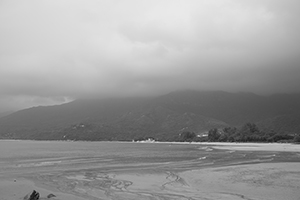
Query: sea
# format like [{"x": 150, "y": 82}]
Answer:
[{"x": 38, "y": 156}]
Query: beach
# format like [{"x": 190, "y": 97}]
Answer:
[
  {"x": 256, "y": 180},
  {"x": 282, "y": 147}
]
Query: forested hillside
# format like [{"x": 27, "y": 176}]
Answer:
[{"x": 163, "y": 118}]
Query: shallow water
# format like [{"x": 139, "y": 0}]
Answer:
[
  {"x": 105, "y": 170},
  {"x": 27, "y": 156}
]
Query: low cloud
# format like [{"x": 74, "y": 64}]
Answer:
[{"x": 58, "y": 50}]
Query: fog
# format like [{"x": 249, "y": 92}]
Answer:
[{"x": 52, "y": 52}]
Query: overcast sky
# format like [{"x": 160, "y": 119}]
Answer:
[{"x": 53, "y": 51}]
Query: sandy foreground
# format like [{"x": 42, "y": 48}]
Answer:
[
  {"x": 262, "y": 181},
  {"x": 15, "y": 189}
]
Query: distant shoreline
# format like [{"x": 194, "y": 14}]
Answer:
[
  {"x": 238, "y": 146},
  {"x": 283, "y": 147}
]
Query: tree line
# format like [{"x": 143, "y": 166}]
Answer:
[{"x": 249, "y": 132}]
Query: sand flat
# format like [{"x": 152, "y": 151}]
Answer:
[
  {"x": 264, "y": 181},
  {"x": 282, "y": 147},
  {"x": 17, "y": 189},
  {"x": 256, "y": 181}
]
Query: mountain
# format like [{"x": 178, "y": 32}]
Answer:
[
  {"x": 3, "y": 114},
  {"x": 162, "y": 117}
]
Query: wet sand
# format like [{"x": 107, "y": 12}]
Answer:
[
  {"x": 268, "y": 181},
  {"x": 282, "y": 147},
  {"x": 259, "y": 181},
  {"x": 17, "y": 189}
]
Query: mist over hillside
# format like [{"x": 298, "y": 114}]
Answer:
[
  {"x": 161, "y": 117},
  {"x": 3, "y": 114}
]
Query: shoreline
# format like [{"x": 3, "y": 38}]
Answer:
[
  {"x": 237, "y": 146},
  {"x": 146, "y": 142},
  {"x": 281, "y": 147}
]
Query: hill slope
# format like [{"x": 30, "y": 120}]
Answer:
[{"x": 162, "y": 117}]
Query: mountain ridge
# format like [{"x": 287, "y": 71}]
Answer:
[{"x": 162, "y": 117}]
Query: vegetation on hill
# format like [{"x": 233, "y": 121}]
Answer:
[
  {"x": 170, "y": 117},
  {"x": 249, "y": 132}
]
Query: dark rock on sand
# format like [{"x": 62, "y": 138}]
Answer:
[
  {"x": 33, "y": 196},
  {"x": 50, "y": 196},
  {"x": 36, "y": 196}
]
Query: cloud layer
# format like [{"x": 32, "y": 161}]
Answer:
[{"x": 56, "y": 50}]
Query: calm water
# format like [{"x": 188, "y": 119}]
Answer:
[{"x": 39, "y": 156}]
